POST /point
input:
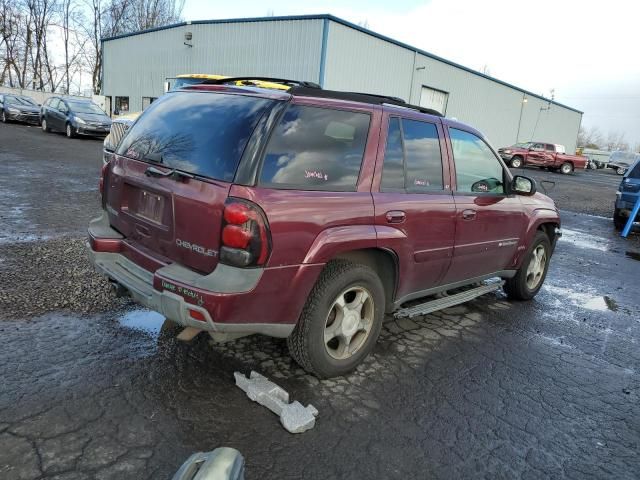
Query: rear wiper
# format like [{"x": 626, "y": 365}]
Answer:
[{"x": 175, "y": 174}]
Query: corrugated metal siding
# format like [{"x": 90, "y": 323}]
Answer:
[
  {"x": 357, "y": 61},
  {"x": 137, "y": 66}
]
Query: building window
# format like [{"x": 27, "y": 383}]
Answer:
[
  {"x": 146, "y": 101},
  {"x": 122, "y": 105}
]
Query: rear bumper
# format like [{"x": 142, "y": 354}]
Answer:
[{"x": 229, "y": 300}]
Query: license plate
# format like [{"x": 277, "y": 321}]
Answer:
[{"x": 150, "y": 206}]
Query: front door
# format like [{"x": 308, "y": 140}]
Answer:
[
  {"x": 414, "y": 208},
  {"x": 489, "y": 222}
]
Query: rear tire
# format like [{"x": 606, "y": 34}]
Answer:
[
  {"x": 566, "y": 168},
  {"x": 531, "y": 274},
  {"x": 619, "y": 221},
  {"x": 333, "y": 335},
  {"x": 516, "y": 162}
]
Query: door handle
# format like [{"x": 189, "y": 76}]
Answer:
[
  {"x": 395, "y": 216},
  {"x": 468, "y": 214}
]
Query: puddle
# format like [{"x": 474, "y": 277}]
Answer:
[
  {"x": 584, "y": 240},
  {"x": 633, "y": 255},
  {"x": 588, "y": 301},
  {"x": 146, "y": 321}
]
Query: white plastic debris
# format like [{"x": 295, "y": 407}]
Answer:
[{"x": 294, "y": 417}]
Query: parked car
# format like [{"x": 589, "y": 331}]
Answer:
[
  {"x": 18, "y": 108},
  {"x": 627, "y": 195},
  {"x": 597, "y": 158},
  {"x": 621, "y": 161},
  {"x": 310, "y": 213},
  {"x": 544, "y": 155},
  {"x": 74, "y": 117}
]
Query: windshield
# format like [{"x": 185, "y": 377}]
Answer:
[
  {"x": 85, "y": 107},
  {"x": 197, "y": 132},
  {"x": 183, "y": 82},
  {"x": 20, "y": 101},
  {"x": 626, "y": 157}
]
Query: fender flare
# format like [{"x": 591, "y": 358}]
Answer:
[{"x": 336, "y": 240}]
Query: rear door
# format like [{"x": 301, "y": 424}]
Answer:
[
  {"x": 489, "y": 222},
  {"x": 412, "y": 196},
  {"x": 200, "y": 136}
]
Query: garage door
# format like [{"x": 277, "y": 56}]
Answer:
[{"x": 434, "y": 99}]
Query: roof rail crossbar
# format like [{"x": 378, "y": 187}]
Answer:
[
  {"x": 372, "y": 98},
  {"x": 248, "y": 80}
]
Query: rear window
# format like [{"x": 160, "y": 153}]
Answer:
[
  {"x": 316, "y": 148},
  {"x": 200, "y": 133}
]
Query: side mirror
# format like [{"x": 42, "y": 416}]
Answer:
[{"x": 521, "y": 185}]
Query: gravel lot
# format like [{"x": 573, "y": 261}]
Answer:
[{"x": 93, "y": 387}]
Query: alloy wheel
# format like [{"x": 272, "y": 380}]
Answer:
[
  {"x": 536, "y": 267},
  {"x": 44, "y": 125},
  {"x": 516, "y": 162},
  {"x": 349, "y": 322}
]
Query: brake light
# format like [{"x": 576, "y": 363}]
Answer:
[{"x": 246, "y": 239}]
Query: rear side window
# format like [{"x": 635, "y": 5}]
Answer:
[
  {"x": 200, "y": 133},
  {"x": 550, "y": 148},
  {"x": 316, "y": 148},
  {"x": 412, "y": 158},
  {"x": 635, "y": 173},
  {"x": 477, "y": 168}
]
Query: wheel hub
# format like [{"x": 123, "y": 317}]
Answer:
[{"x": 348, "y": 323}]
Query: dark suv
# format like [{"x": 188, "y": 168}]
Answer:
[{"x": 310, "y": 213}]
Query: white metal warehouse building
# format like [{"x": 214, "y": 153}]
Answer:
[{"x": 339, "y": 56}]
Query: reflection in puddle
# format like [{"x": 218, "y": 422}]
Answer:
[
  {"x": 584, "y": 240},
  {"x": 145, "y": 320}
]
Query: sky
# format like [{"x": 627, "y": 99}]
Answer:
[{"x": 587, "y": 51}]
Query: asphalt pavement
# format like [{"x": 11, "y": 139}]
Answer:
[{"x": 491, "y": 389}]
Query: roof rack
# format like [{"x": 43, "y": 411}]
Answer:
[
  {"x": 360, "y": 97},
  {"x": 249, "y": 80}
]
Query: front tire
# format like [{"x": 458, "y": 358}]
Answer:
[
  {"x": 566, "y": 168},
  {"x": 44, "y": 126},
  {"x": 531, "y": 274},
  {"x": 516, "y": 162},
  {"x": 5, "y": 119},
  {"x": 621, "y": 170},
  {"x": 70, "y": 131},
  {"x": 341, "y": 320}
]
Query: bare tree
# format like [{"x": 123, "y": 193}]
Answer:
[
  {"x": 590, "y": 138},
  {"x": 615, "y": 141}
]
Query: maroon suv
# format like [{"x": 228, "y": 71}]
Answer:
[{"x": 308, "y": 214}]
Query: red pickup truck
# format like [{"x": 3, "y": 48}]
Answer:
[{"x": 543, "y": 155}]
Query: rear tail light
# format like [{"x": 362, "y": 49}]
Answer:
[{"x": 246, "y": 239}]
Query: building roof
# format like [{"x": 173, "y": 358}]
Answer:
[{"x": 346, "y": 23}]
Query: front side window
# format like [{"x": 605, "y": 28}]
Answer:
[
  {"x": 477, "y": 168},
  {"x": 316, "y": 148},
  {"x": 550, "y": 148},
  {"x": 200, "y": 133},
  {"x": 412, "y": 158}
]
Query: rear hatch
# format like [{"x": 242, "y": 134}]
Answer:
[{"x": 167, "y": 184}]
